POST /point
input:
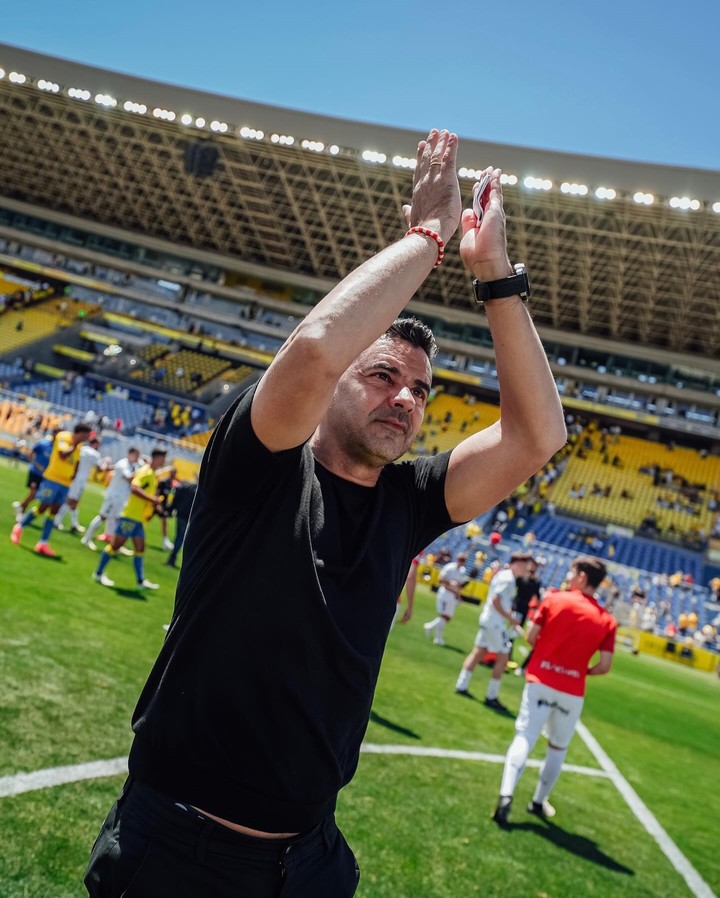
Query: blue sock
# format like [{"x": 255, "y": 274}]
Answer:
[
  {"x": 138, "y": 565},
  {"x": 47, "y": 529},
  {"x": 29, "y": 517},
  {"x": 103, "y": 563}
]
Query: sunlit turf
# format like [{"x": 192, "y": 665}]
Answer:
[{"x": 74, "y": 656}]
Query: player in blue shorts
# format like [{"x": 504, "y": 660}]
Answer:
[
  {"x": 139, "y": 508},
  {"x": 39, "y": 458},
  {"x": 54, "y": 486}
]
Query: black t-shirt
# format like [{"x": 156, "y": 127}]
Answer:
[
  {"x": 526, "y": 589},
  {"x": 259, "y": 700}
]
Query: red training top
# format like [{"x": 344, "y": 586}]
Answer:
[{"x": 574, "y": 627}]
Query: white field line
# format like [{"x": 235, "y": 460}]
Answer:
[
  {"x": 421, "y": 752},
  {"x": 56, "y": 776},
  {"x": 59, "y": 776},
  {"x": 695, "y": 882}
]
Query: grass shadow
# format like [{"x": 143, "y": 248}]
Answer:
[
  {"x": 395, "y": 727},
  {"x": 580, "y": 846}
]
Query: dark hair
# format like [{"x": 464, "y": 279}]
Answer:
[
  {"x": 133, "y": 449},
  {"x": 158, "y": 450},
  {"x": 592, "y": 567},
  {"x": 520, "y": 556},
  {"x": 415, "y": 332},
  {"x": 82, "y": 428}
]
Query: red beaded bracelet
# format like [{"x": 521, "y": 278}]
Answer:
[{"x": 436, "y": 237}]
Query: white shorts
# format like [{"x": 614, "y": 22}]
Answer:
[
  {"x": 76, "y": 490},
  {"x": 494, "y": 639},
  {"x": 446, "y": 606},
  {"x": 543, "y": 706},
  {"x": 112, "y": 506}
]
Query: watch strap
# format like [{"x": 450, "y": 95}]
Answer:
[{"x": 514, "y": 285}]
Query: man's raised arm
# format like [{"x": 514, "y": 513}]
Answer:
[
  {"x": 296, "y": 390},
  {"x": 489, "y": 465}
]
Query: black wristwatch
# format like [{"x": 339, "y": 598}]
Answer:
[{"x": 515, "y": 285}]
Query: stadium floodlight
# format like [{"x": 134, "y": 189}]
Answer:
[
  {"x": 333, "y": 149},
  {"x": 49, "y": 86},
  {"x": 2, "y": 73},
  {"x": 644, "y": 199},
  {"x": 716, "y": 208},
  {"x": 251, "y": 133},
  {"x": 537, "y": 183},
  {"x": 106, "y": 100},
  {"x": 132, "y": 106},
  {"x": 17, "y": 77},
  {"x": 574, "y": 189},
  {"x": 186, "y": 119},
  {"x": 317, "y": 146},
  {"x": 283, "y": 139},
  {"x": 219, "y": 127},
  {"x": 683, "y": 202},
  {"x": 200, "y": 122},
  {"x": 404, "y": 162},
  {"x": 77, "y": 93},
  {"x": 374, "y": 156},
  {"x": 605, "y": 193},
  {"x": 508, "y": 179},
  {"x": 166, "y": 115}
]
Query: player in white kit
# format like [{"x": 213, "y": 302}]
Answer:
[
  {"x": 116, "y": 495},
  {"x": 495, "y": 620},
  {"x": 453, "y": 577}
]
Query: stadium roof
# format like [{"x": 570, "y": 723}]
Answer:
[{"x": 617, "y": 250}]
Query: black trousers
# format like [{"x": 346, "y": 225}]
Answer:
[{"x": 149, "y": 847}]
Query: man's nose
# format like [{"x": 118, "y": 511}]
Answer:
[{"x": 404, "y": 398}]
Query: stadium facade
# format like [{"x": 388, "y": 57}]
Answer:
[{"x": 623, "y": 256}]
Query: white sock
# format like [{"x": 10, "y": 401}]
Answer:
[
  {"x": 439, "y": 627},
  {"x": 74, "y": 517},
  {"x": 515, "y": 761},
  {"x": 63, "y": 510},
  {"x": 549, "y": 773},
  {"x": 463, "y": 681},
  {"x": 493, "y": 689},
  {"x": 432, "y": 624},
  {"x": 92, "y": 527}
]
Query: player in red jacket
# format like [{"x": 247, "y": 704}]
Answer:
[{"x": 569, "y": 628}]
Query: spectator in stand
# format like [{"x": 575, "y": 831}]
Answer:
[{"x": 569, "y": 629}]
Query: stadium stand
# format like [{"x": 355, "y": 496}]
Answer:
[
  {"x": 636, "y": 483},
  {"x": 218, "y": 309}
]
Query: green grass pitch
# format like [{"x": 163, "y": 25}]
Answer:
[{"x": 74, "y": 656}]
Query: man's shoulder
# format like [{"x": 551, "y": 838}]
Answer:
[{"x": 503, "y": 578}]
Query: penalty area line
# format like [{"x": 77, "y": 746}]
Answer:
[
  {"x": 19, "y": 783},
  {"x": 695, "y": 882},
  {"x": 456, "y": 754},
  {"x": 60, "y": 776}
]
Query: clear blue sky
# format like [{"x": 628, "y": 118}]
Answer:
[{"x": 633, "y": 79}]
